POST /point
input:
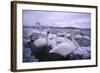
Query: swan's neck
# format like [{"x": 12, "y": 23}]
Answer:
[
  {"x": 65, "y": 37},
  {"x": 40, "y": 29},
  {"x": 73, "y": 39},
  {"x": 47, "y": 38}
]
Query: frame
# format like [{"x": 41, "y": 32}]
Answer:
[{"x": 47, "y": 36}]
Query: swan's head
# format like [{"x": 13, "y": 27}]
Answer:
[
  {"x": 48, "y": 31},
  {"x": 38, "y": 23}
]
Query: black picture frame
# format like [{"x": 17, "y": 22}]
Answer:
[{"x": 14, "y": 34}]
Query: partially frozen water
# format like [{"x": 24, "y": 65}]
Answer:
[{"x": 33, "y": 54}]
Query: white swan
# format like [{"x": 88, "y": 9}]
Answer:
[
  {"x": 41, "y": 41},
  {"x": 66, "y": 47}
]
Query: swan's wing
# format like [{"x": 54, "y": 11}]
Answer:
[
  {"x": 63, "y": 49},
  {"x": 40, "y": 42}
]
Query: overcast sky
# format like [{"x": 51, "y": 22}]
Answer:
[{"x": 59, "y": 19}]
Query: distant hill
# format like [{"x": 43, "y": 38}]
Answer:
[{"x": 55, "y": 27}]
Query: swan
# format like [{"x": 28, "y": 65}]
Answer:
[
  {"x": 66, "y": 47},
  {"x": 41, "y": 41}
]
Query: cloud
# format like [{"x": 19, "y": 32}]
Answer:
[{"x": 59, "y": 19}]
